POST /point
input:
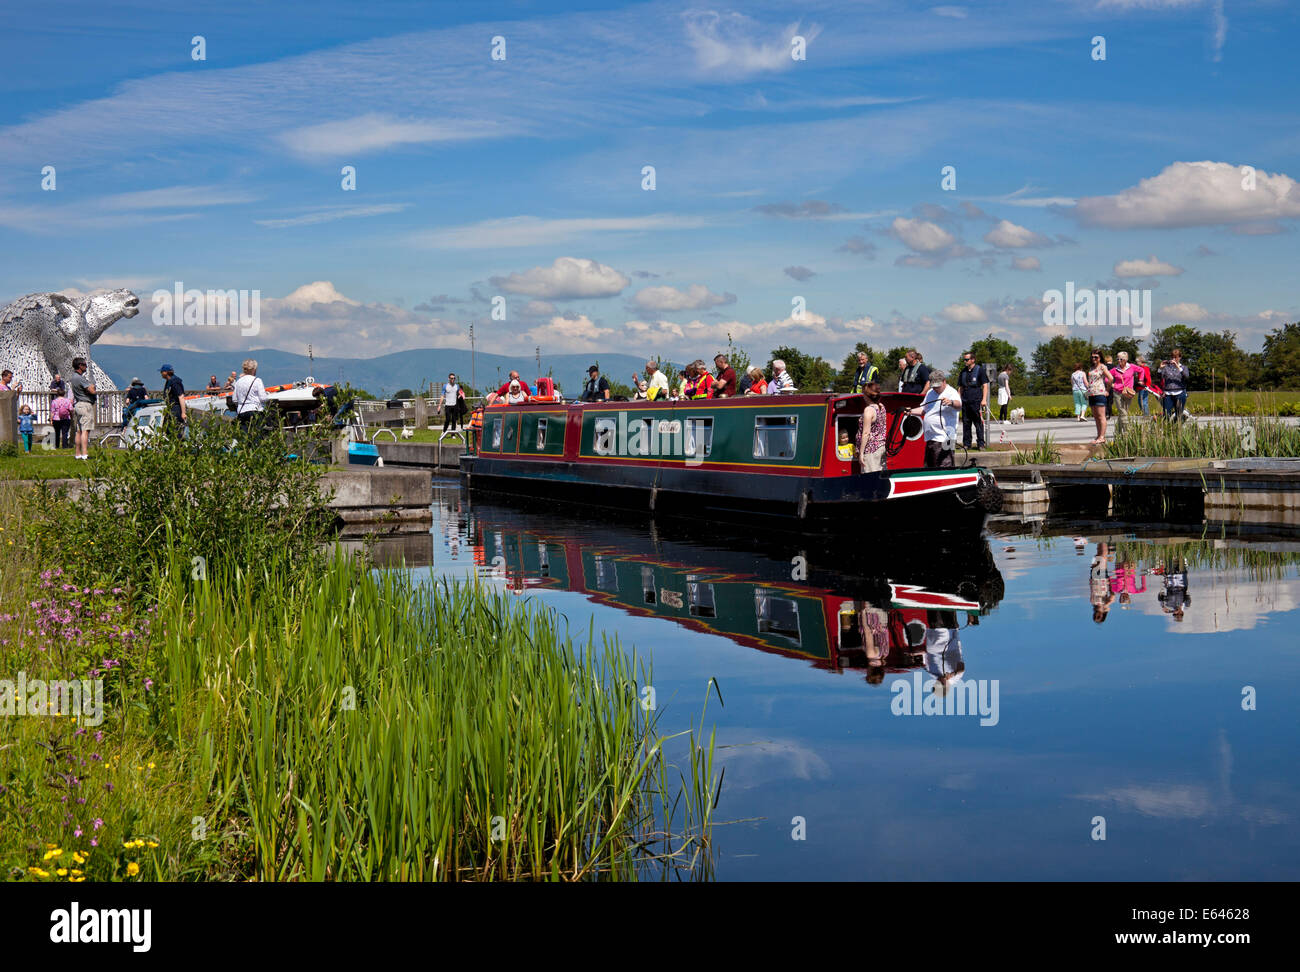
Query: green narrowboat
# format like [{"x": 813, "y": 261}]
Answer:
[{"x": 756, "y": 458}]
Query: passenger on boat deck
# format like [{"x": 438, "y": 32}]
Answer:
[
  {"x": 703, "y": 380},
  {"x": 872, "y": 431},
  {"x": 939, "y": 410},
  {"x": 656, "y": 381},
  {"x": 686, "y": 387},
  {"x": 753, "y": 383},
  {"x": 902, "y": 366},
  {"x": 597, "y": 387},
  {"x": 515, "y": 394},
  {"x": 214, "y": 386},
  {"x": 501, "y": 392},
  {"x": 230, "y": 383},
  {"x": 781, "y": 383},
  {"x": 642, "y": 392},
  {"x": 724, "y": 386}
]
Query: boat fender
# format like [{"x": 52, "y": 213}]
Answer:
[
  {"x": 803, "y": 504},
  {"x": 990, "y": 495},
  {"x": 654, "y": 495}
]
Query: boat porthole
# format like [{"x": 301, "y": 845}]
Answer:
[{"x": 912, "y": 427}]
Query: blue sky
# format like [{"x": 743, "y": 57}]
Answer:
[{"x": 775, "y": 178}]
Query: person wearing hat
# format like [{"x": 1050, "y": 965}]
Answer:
[
  {"x": 597, "y": 387},
  {"x": 173, "y": 397},
  {"x": 134, "y": 396}
]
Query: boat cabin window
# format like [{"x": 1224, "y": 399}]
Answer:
[
  {"x": 496, "y": 434},
  {"x": 541, "y": 434},
  {"x": 776, "y": 615},
  {"x": 846, "y": 436},
  {"x": 648, "y": 585},
  {"x": 699, "y": 437},
  {"x": 774, "y": 436},
  {"x": 699, "y": 598},
  {"x": 603, "y": 439},
  {"x": 606, "y": 574}
]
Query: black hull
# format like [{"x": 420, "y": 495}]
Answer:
[{"x": 824, "y": 505}]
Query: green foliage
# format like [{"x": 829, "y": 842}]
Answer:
[
  {"x": 1281, "y": 357},
  {"x": 219, "y": 494},
  {"x": 737, "y": 357},
  {"x": 998, "y": 353},
  {"x": 1045, "y": 452},
  {"x": 9, "y": 450},
  {"x": 1211, "y": 359},
  {"x": 810, "y": 373},
  {"x": 1254, "y": 436},
  {"x": 403, "y": 393},
  {"x": 844, "y": 380},
  {"x": 1054, "y": 362}
]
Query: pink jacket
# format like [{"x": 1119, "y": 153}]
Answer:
[
  {"x": 60, "y": 408},
  {"x": 1123, "y": 378}
]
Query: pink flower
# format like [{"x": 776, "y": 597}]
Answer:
[
  {"x": 77, "y": 832},
  {"x": 99, "y": 822}
]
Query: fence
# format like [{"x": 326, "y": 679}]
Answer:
[{"x": 108, "y": 405}]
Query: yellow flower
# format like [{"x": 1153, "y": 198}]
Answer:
[
  {"x": 76, "y": 880},
  {"x": 152, "y": 765},
  {"x": 76, "y": 873},
  {"x": 62, "y": 872},
  {"x": 153, "y": 843},
  {"x": 52, "y": 853},
  {"x": 79, "y": 857},
  {"x": 51, "y": 846},
  {"x": 38, "y": 872},
  {"x": 132, "y": 869}
]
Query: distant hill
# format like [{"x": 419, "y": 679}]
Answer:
[{"x": 380, "y": 376}]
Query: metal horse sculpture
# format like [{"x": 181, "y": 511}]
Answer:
[{"x": 40, "y": 334}]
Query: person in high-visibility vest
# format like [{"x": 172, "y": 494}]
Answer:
[
  {"x": 476, "y": 426},
  {"x": 867, "y": 372}
]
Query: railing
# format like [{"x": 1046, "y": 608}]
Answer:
[{"x": 108, "y": 405}]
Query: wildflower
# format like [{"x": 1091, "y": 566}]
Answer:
[
  {"x": 79, "y": 857},
  {"x": 77, "y": 832},
  {"x": 152, "y": 844},
  {"x": 132, "y": 869},
  {"x": 62, "y": 872},
  {"x": 99, "y": 822},
  {"x": 76, "y": 880},
  {"x": 94, "y": 842},
  {"x": 49, "y": 854},
  {"x": 38, "y": 872},
  {"x": 152, "y": 765}
]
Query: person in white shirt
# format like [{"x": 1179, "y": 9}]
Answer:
[
  {"x": 781, "y": 383},
  {"x": 939, "y": 410},
  {"x": 249, "y": 396},
  {"x": 452, "y": 410},
  {"x": 656, "y": 382}
]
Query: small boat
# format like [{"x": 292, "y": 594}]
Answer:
[{"x": 765, "y": 457}]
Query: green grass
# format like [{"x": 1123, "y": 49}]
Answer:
[
  {"x": 1045, "y": 452},
  {"x": 1198, "y": 403},
  {"x": 43, "y": 464},
  {"x": 277, "y": 714}
]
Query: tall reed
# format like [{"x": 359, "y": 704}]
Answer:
[
  {"x": 359, "y": 727},
  {"x": 1245, "y": 438}
]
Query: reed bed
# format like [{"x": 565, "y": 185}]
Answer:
[
  {"x": 1045, "y": 452},
  {"x": 1247, "y": 438},
  {"x": 275, "y": 713},
  {"x": 369, "y": 729}
]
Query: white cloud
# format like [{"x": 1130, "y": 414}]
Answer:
[
  {"x": 694, "y": 297},
  {"x": 921, "y": 235},
  {"x": 1026, "y": 263},
  {"x": 964, "y": 313},
  {"x": 730, "y": 44},
  {"x": 330, "y": 215},
  {"x": 373, "y": 132},
  {"x": 1008, "y": 236},
  {"x": 1150, "y": 267},
  {"x": 1194, "y": 194},
  {"x": 567, "y": 278},
  {"x": 532, "y": 231},
  {"x": 318, "y": 292},
  {"x": 1184, "y": 311},
  {"x": 570, "y": 334},
  {"x": 177, "y": 197}
]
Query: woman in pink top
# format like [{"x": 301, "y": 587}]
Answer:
[
  {"x": 61, "y": 419},
  {"x": 1123, "y": 377}
]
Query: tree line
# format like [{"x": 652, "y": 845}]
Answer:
[{"x": 1212, "y": 359}]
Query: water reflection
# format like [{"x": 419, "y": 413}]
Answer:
[
  {"x": 836, "y": 606},
  {"x": 827, "y": 654}
]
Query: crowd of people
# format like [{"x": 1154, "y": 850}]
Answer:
[
  {"x": 1112, "y": 385},
  {"x": 1113, "y": 578}
]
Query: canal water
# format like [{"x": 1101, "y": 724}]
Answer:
[{"x": 1118, "y": 704}]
